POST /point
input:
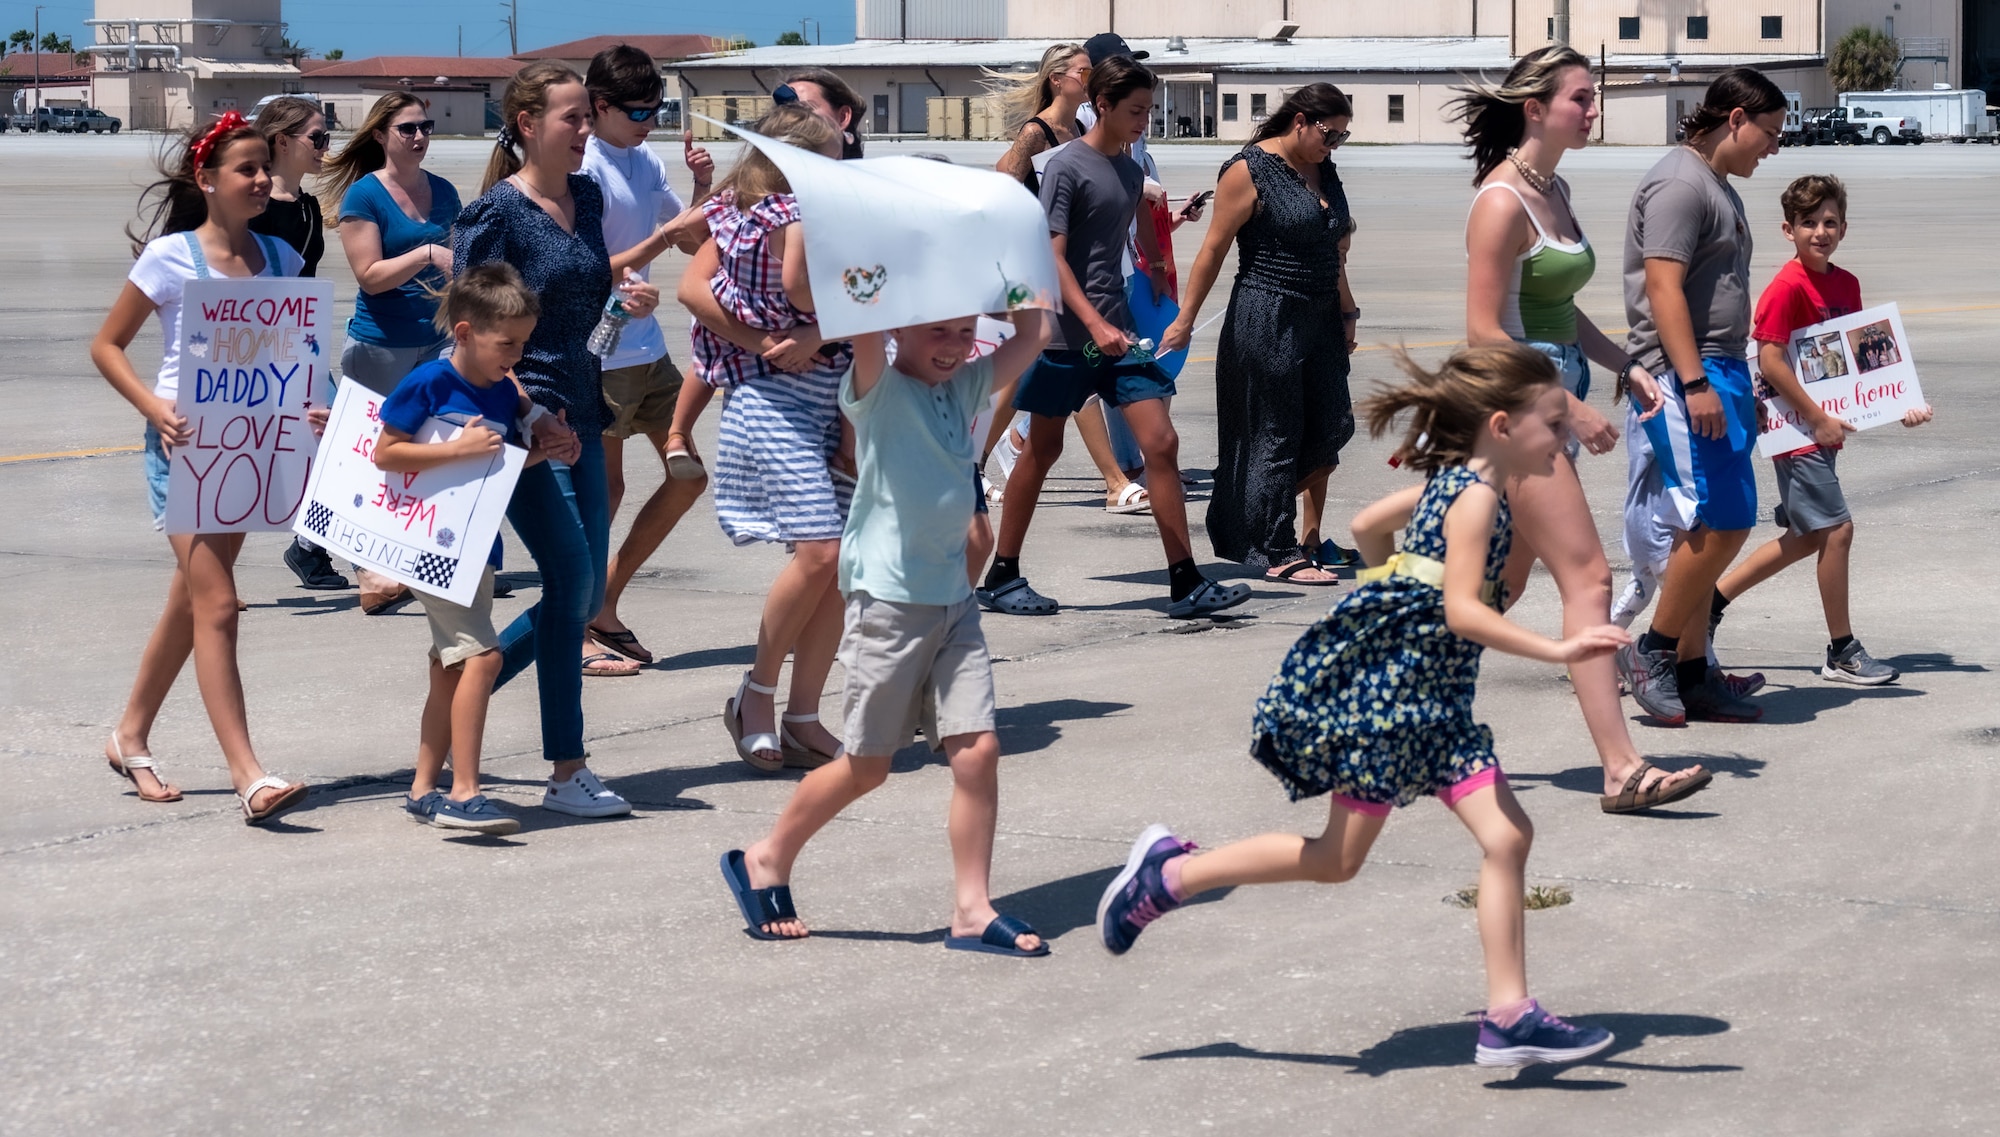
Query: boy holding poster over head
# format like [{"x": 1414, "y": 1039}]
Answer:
[
  {"x": 912, "y": 647},
  {"x": 489, "y": 314},
  {"x": 1809, "y": 290}
]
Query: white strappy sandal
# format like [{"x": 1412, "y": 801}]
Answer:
[
  {"x": 292, "y": 797},
  {"x": 751, "y": 747},
  {"x": 123, "y": 765},
  {"x": 799, "y": 756}
]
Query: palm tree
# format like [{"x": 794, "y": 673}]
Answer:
[
  {"x": 21, "y": 40},
  {"x": 1863, "y": 60}
]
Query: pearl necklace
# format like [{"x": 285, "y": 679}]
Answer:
[{"x": 1542, "y": 184}]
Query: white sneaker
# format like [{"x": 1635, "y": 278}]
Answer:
[{"x": 584, "y": 796}]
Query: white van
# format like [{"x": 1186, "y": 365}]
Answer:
[{"x": 325, "y": 107}]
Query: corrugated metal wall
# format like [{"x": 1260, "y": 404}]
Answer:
[{"x": 933, "y": 19}]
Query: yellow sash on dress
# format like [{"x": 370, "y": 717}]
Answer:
[{"x": 1426, "y": 570}]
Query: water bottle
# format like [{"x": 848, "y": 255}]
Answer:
[
  {"x": 1139, "y": 352},
  {"x": 604, "y": 337}
]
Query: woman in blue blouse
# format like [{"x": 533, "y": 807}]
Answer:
[
  {"x": 395, "y": 222},
  {"x": 537, "y": 213}
]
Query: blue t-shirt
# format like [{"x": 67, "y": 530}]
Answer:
[
  {"x": 437, "y": 390},
  {"x": 400, "y": 317}
]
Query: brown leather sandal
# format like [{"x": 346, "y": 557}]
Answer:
[{"x": 1631, "y": 799}]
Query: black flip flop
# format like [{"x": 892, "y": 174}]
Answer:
[
  {"x": 759, "y": 906},
  {"x": 1289, "y": 575},
  {"x": 998, "y": 939},
  {"x": 624, "y": 643}
]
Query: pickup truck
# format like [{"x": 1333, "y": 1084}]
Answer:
[
  {"x": 1885, "y": 128},
  {"x": 1828, "y": 126},
  {"x": 65, "y": 120}
]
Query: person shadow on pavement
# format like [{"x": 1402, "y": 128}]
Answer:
[{"x": 1443, "y": 1045}]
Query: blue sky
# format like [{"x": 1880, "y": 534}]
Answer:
[{"x": 431, "y": 27}]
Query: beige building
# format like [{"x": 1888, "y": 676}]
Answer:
[
  {"x": 167, "y": 63},
  {"x": 1224, "y": 63}
]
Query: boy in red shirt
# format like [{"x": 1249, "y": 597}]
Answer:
[{"x": 1809, "y": 290}]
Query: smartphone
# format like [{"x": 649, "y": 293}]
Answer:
[{"x": 1197, "y": 201}]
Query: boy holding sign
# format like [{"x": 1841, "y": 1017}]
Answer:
[
  {"x": 912, "y": 649},
  {"x": 490, "y": 314},
  {"x": 1810, "y": 290}
]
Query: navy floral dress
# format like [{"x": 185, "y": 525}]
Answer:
[{"x": 1374, "y": 702}]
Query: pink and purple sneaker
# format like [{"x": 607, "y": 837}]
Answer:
[
  {"x": 1537, "y": 1036},
  {"x": 1139, "y": 895}
]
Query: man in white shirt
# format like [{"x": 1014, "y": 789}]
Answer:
[{"x": 643, "y": 217}]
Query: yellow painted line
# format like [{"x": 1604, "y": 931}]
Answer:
[{"x": 55, "y": 454}]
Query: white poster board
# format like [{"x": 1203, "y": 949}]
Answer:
[
  {"x": 252, "y": 354},
  {"x": 432, "y": 529},
  {"x": 892, "y": 242},
  {"x": 1857, "y": 368}
]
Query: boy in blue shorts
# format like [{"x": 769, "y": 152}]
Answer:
[
  {"x": 489, "y": 313},
  {"x": 912, "y": 649},
  {"x": 1091, "y": 191},
  {"x": 1687, "y": 295},
  {"x": 1809, "y": 290}
]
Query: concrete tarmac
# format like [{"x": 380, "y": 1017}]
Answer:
[{"x": 1806, "y": 947}]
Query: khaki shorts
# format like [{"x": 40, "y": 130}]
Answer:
[
  {"x": 642, "y": 397},
  {"x": 457, "y": 632},
  {"x": 911, "y": 663}
]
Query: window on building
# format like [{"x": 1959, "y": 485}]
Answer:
[
  {"x": 1697, "y": 27},
  {"x": 1889, "y": 26},
  {"x": 1774, "y": 27},
  {"x": 1257, "y": 107},
  {"x": 1229, "y": 107},
  {"x": 1628, "y": 27},
  {"x": 1552, "y": 28},
  {"x": 1395, "y": 108}
]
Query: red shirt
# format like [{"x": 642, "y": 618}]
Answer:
[{"x": 1799, "y": 298}]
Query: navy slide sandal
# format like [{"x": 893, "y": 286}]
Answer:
[
  {"x": 998, "y": 939},
  {"x": 760, "y": 906}
]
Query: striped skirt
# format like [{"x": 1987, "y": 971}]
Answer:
[{"x": 771, "y": 480}]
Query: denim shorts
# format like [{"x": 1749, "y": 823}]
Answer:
[
  {"x": 1061, "y": 382},
  {"x": 1574, "y": 371},
  {"x": 157, "y": 467}
]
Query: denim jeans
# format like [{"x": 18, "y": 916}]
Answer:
[{"x": 562, "y": 514}]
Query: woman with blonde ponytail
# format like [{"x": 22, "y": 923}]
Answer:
[
  {"x": 1527, "y": 258},
  {"x": 540, "y": 214}
]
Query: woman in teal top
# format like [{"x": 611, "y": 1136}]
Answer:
[
  {"x": 395, "y": 222},
  {"x": 1527, "y": 258}
]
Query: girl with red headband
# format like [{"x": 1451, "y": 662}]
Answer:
[{"x": 199, "y": 226}]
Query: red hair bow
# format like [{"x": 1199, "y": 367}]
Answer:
[{"x": 229, "y": 121}]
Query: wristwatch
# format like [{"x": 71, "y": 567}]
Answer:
[
  {"x": 1351, "y": 315},
  {"x": 1694, "y": 386}
]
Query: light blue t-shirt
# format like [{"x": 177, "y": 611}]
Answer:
[
  {"x": 400, "y": 317},
  {"x": 905, "y": 537}
]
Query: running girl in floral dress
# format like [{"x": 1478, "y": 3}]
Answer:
[
  {"x": 780, "y": 431},
  {"x": 1373, "y": 705}
]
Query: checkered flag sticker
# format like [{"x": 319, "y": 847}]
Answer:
[
  {"x": 435, "y": 570},
  {"x": 317, "y": 516}
]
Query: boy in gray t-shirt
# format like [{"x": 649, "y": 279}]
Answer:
[{"x": 1684, "y": 211}]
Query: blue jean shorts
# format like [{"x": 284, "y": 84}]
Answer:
[
  {"x": 1061, "y": 382},
  {"x": 1574, "y": 371},
  {"x": 157, "y": 467}
]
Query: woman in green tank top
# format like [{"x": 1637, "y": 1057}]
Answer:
[{"x": 1527, "y": 259}]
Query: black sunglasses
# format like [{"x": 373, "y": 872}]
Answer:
[
  {"x": 783, "y": 93},
  {"x": 1331, "y": 136},
  {"x": 412, "y": 129},
  {"x": 319, "y": 139},
  {"x": 638, "y": 114}
]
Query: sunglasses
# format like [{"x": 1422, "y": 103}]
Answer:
[
  {"x": 318, "y": 139},
  {"x": 1331, "y": 136},
  {"x": 412, "y": 129},
  {"x": 638, "y": 114},
  {"x": 783, "y": 93}
]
